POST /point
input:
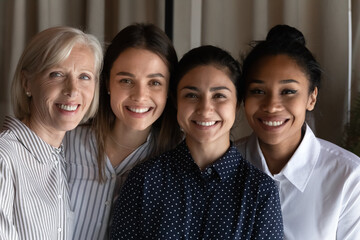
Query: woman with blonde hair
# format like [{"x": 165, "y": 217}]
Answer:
[{"x": 55, "y": 87}]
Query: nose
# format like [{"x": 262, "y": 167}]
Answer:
[
  {"x": 271, "y": 103},
  {"x": 139, "y": 92},
  {"x": 71, "y": 86},
  {"x": 204, "y": 107}
]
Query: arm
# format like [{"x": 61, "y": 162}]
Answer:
[
  {"x": 349, "y": 220},
  {"x": 126, "y": 218},
  {"x": 268, "y": 220},
  {"x": 7, "y": 195}
]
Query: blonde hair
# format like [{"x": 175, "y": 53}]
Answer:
[{"x": 45, "y": 50}]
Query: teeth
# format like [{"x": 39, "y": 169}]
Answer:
[
  {"x": 139, "y": 110},
  {"x": 206, "y": 124},
  {"x": 68, "y": 107},
  {"x": 273, "y": 123}
]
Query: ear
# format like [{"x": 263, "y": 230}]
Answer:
[
  {"x": 25, "y": 81},
  {"x": 312, "y": 100}
]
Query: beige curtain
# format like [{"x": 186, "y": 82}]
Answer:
[{"x": 230, "y": 24}]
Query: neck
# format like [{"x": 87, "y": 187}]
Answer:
[
  {"x": 50, "y": 136},
  {"x": 122, "y": 141},
  {"x": 205, "y": 154},
  {"x": 277, "y": 156}
]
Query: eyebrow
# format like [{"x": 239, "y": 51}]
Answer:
[
  {"x": 152, "y": 75},
  {"x": 285, "y": 81},
  {"x": 213, "y": 89}
]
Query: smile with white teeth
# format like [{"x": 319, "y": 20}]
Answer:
[
  {"x": 138, "y": 110},
  {"x": 206, "y": 124},
  {"x": 273, "y": 123},
  {"x": 68, "y": 107}
]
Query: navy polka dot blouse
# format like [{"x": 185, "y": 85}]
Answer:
[{"x": 168, "y": 197}]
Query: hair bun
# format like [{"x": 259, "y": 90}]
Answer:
[{"x": 285, "y": 34}]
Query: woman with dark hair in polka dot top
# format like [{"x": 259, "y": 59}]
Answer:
[{"x": 202, "y": 189}]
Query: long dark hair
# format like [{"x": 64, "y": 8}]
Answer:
[{"x": 165, "y": 133}]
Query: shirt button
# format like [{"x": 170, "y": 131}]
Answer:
[
  {"x": 107, "y": 203},
  {"x": 59, "y": 229},
  {"x": 209, "y": 170},
  {"x": 59, "y": 196}
]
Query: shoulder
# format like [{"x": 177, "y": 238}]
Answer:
[
  {"x": 254, "y": 177},
  {"x": 241, "y": 143},
  {"x": 333, "y": 152},
  {"x": 80, "y": 133},
  {"x": 158, "y": 165},
  {"x": 80, "y": 136},
  {"x": 9, "y": 150}
]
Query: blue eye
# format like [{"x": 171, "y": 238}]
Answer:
[
  {"x": 85, "y": 77},
  {"x": 55, "y": 74}
]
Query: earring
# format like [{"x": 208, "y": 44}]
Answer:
[
  {"x": 108, "y": 92},
  {"x": 28, "y": 94}
]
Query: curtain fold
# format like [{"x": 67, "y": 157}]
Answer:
[{"x": 230, "y": 24}]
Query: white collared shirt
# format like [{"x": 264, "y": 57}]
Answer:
[
  {"x": 91, "y": 200},
  {"x": 319, "y": 188},
  {"x": 34, "y": 201}
]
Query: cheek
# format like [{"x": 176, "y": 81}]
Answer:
[
  {"x": 249, "y": 107},
  {"x": 89, "y": 92},
  {"x": 182, "y": 113},
  {"x": 161, "y": 99}
]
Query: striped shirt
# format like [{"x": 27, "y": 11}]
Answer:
[
  {"x": 92, "y": 201},
  {"x": 34, "y": 200}
]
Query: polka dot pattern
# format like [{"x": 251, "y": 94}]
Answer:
[{"x": 168, "y": 197}]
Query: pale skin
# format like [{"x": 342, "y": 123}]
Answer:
[
  {"x": 138, "y": 92},
  {"x": 276, "y": 102},
  {"x": 61, "y": 95},
  {"x": 207, "y": 105}
]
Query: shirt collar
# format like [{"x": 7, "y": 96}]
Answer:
[
  {"x": 40, "y": 150},
  {"x": 301, "y": 165},
  {"x": 225, "y": 167}
]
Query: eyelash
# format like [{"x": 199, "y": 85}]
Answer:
[
  {"x": 191, "y": 95},
  {"x": 155, "y": 83},
  {"x": 55, "y": 74},
  {"x": 60, "y": 75},
  {"x": 256, "y": 91},
  {"x": 283, "y": 92},
  {"x": 288, "y": 91}
]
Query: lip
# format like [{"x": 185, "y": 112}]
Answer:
[
  {"x": 272, "y": 123},
  {"x": 138, "y": 111},
  {"x": 205, "y": 124},
  {"x": 68, "y": 107}
]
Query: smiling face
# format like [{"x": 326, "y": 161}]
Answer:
[
  {"x": 61, "y": 95},
  {"x": 138, "y": 88},
  {"x": 206, "y": 100},
  {"x": 277, "y": 99}
]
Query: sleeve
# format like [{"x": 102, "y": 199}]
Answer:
[
  {"x": 7, "y": 195},
  {"x": 349, "y": 220},
  {"x": 268, "y": 220},
  {"x": 126, "y": 219}
]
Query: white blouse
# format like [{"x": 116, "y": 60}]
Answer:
[
  {"x": 92, "y": 201},
  {"x": 34, "y": 201},
  {"x": 319, "y": 188}
]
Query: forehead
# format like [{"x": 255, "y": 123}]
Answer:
[
  {"x": 277, "y": 68},
  {"x": 205, "y": 77}
]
